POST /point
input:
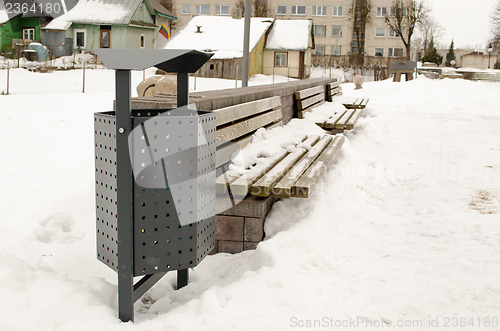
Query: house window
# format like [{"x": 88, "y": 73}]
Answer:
[
  {"x": 320, "y": 30},
  {"x": 80, "y": 38},
  {"x": 212, "y": 66},
  {"x": 394, "y": 34},
  {"x": 280, "y": 59},
  {"x": 338, "y": 11},
  {"x": 29, "y": 33},
  {"x": 202, "y": 9},
  {"x": 395, "y": 52},
  {"x": 186, "y": 9},
  {"x": 393, "y": 12},
  {"x": 281, "y": 10},
  {"x": 379, "y": 51},
  {"x": 318, "y": 11},
  {"x": 380, "y": 32},
  {"x": 221, "y": 9},
  {"x": 381, "y": 11},
  {"x": 336, "y": 30},
  {"x": 336, "y": 50},
  {"x": 318, "y": 50},
  {"x": 143, "y": 41},
  {"x": 298, "y": 10}
]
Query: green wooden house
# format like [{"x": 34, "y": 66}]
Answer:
[
  {"x": 95, "y": 24},
  {"x": 24, "y": 26}
]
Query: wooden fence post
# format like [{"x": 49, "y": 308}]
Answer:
[{"x": 83, "y": 90}]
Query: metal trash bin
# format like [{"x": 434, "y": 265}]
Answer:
[
  {"x": 155, "y": 178},
  {"x": 168, "y": 193}
]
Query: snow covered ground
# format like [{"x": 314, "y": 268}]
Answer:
[{"x": 404, "y": 229}]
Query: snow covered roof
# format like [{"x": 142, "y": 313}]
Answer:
[
  {"x": 220, "y": 35},
  {"x": 161, "y": 10},
  {"x": 97, "y": 12},
  {"x": 3, "y": 13},
  {"x": 290, "y": 34}
]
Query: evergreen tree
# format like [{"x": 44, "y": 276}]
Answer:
[
  {"x": 451, "y": 55},
  {"x": 432, "y": 55}
]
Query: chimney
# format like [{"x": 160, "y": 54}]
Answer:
[{"x": 198, "y": 29}]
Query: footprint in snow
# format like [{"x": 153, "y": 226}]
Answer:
[{"x": 57, "y": 228}]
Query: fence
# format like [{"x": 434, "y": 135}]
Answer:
[{"x": 75, "y": 61}]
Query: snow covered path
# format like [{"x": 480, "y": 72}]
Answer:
[{"x": 404, "y": 229}]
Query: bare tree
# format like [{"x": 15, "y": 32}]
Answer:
[
  {"x": 360, "y": 15},
  {"x": 495, "y": 27},
  {"x": 260, "y": 8},
  {"x": 403, "y": 19},
  {"x": 430, "y": 29}
]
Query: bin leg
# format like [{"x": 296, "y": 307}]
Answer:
[
  {"x": 182, "y": 278},
  {"x": 124, "y": 197}
]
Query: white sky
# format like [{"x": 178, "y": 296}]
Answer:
[{"x": 466, "y": 21}]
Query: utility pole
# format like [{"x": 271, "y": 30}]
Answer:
[{"x": 246, "y": 42}]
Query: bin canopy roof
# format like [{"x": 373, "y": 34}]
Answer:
[{"x": 169, "y": 60}]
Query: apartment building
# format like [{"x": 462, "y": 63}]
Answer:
[{"x": 332, "y": 23}]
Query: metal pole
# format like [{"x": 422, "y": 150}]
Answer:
[
  {"x": 246, "y": 43},
  {"x": 236, "y": 77},
  {"x": 124, "y": 197},
  {"x": 144, "y": 75},
  {"x": 195, "y": 74},
  {"x": 182, "y": 100},
  {"x": 83, "y": 90},
  {"x": 8, "y": 76}
]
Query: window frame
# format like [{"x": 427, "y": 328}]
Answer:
[
  {"x": 296, "y": 7},
  {"x": 378, "y": 48},
  {"x": 142, "y": 42},
  {"x": 338, "y": 11},
  {"x": 29, "y": 31},
  {"x": 377, "y": 35},
  {"x": 219, "y": 8},
  {"x": 332, "y": 50},
  {"x": 340, "y": 30},
  {"x": 381, "y": 11},
  {"x": 75, "y": 39},
  {"x": 184, "y": 12},
  {"x": 278, "y": 59},
  {"x": 199, "y": 11},
  {"x": 315, "y": 50},
  {"x": 319, "y": 26},
  {"x": 278, "y": 10},
  {"x": 393, "y": 51},
  {"x": 314, "y": 10}
]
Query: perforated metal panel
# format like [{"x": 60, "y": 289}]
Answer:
[
  {"x": 170, "y": 185},
  {"x": 105, "y": 181}
]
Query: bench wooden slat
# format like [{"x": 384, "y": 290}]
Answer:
[
  {"x": 357, "y": 104},
  {"x": 305, "y": 184},
  {"x": 243, "y": 110},
  {"x": 263, "y": 187},
  {"x": 299, "y": 95},
  {"x": 303, "y": 104},
  {"x": 241, "y": 128},
  {"x": 222, "y": 182},
  {"x": 225, "y": 152},
  {"x": 283, "y": 189},
  {"x": 353, "y": 120},
  {"x": 340, "y": 125},
  {"x": 330, "y": 123},
  {"x": 242, "y": 185}
]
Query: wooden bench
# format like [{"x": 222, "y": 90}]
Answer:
[
  {"x": 333, "y": 89},
  {"x": 288, "y": 174},
  {"x": 236, "y": 125},
  {"x": 358, "y": 103},
  {"x": 308, "y": 98}
]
